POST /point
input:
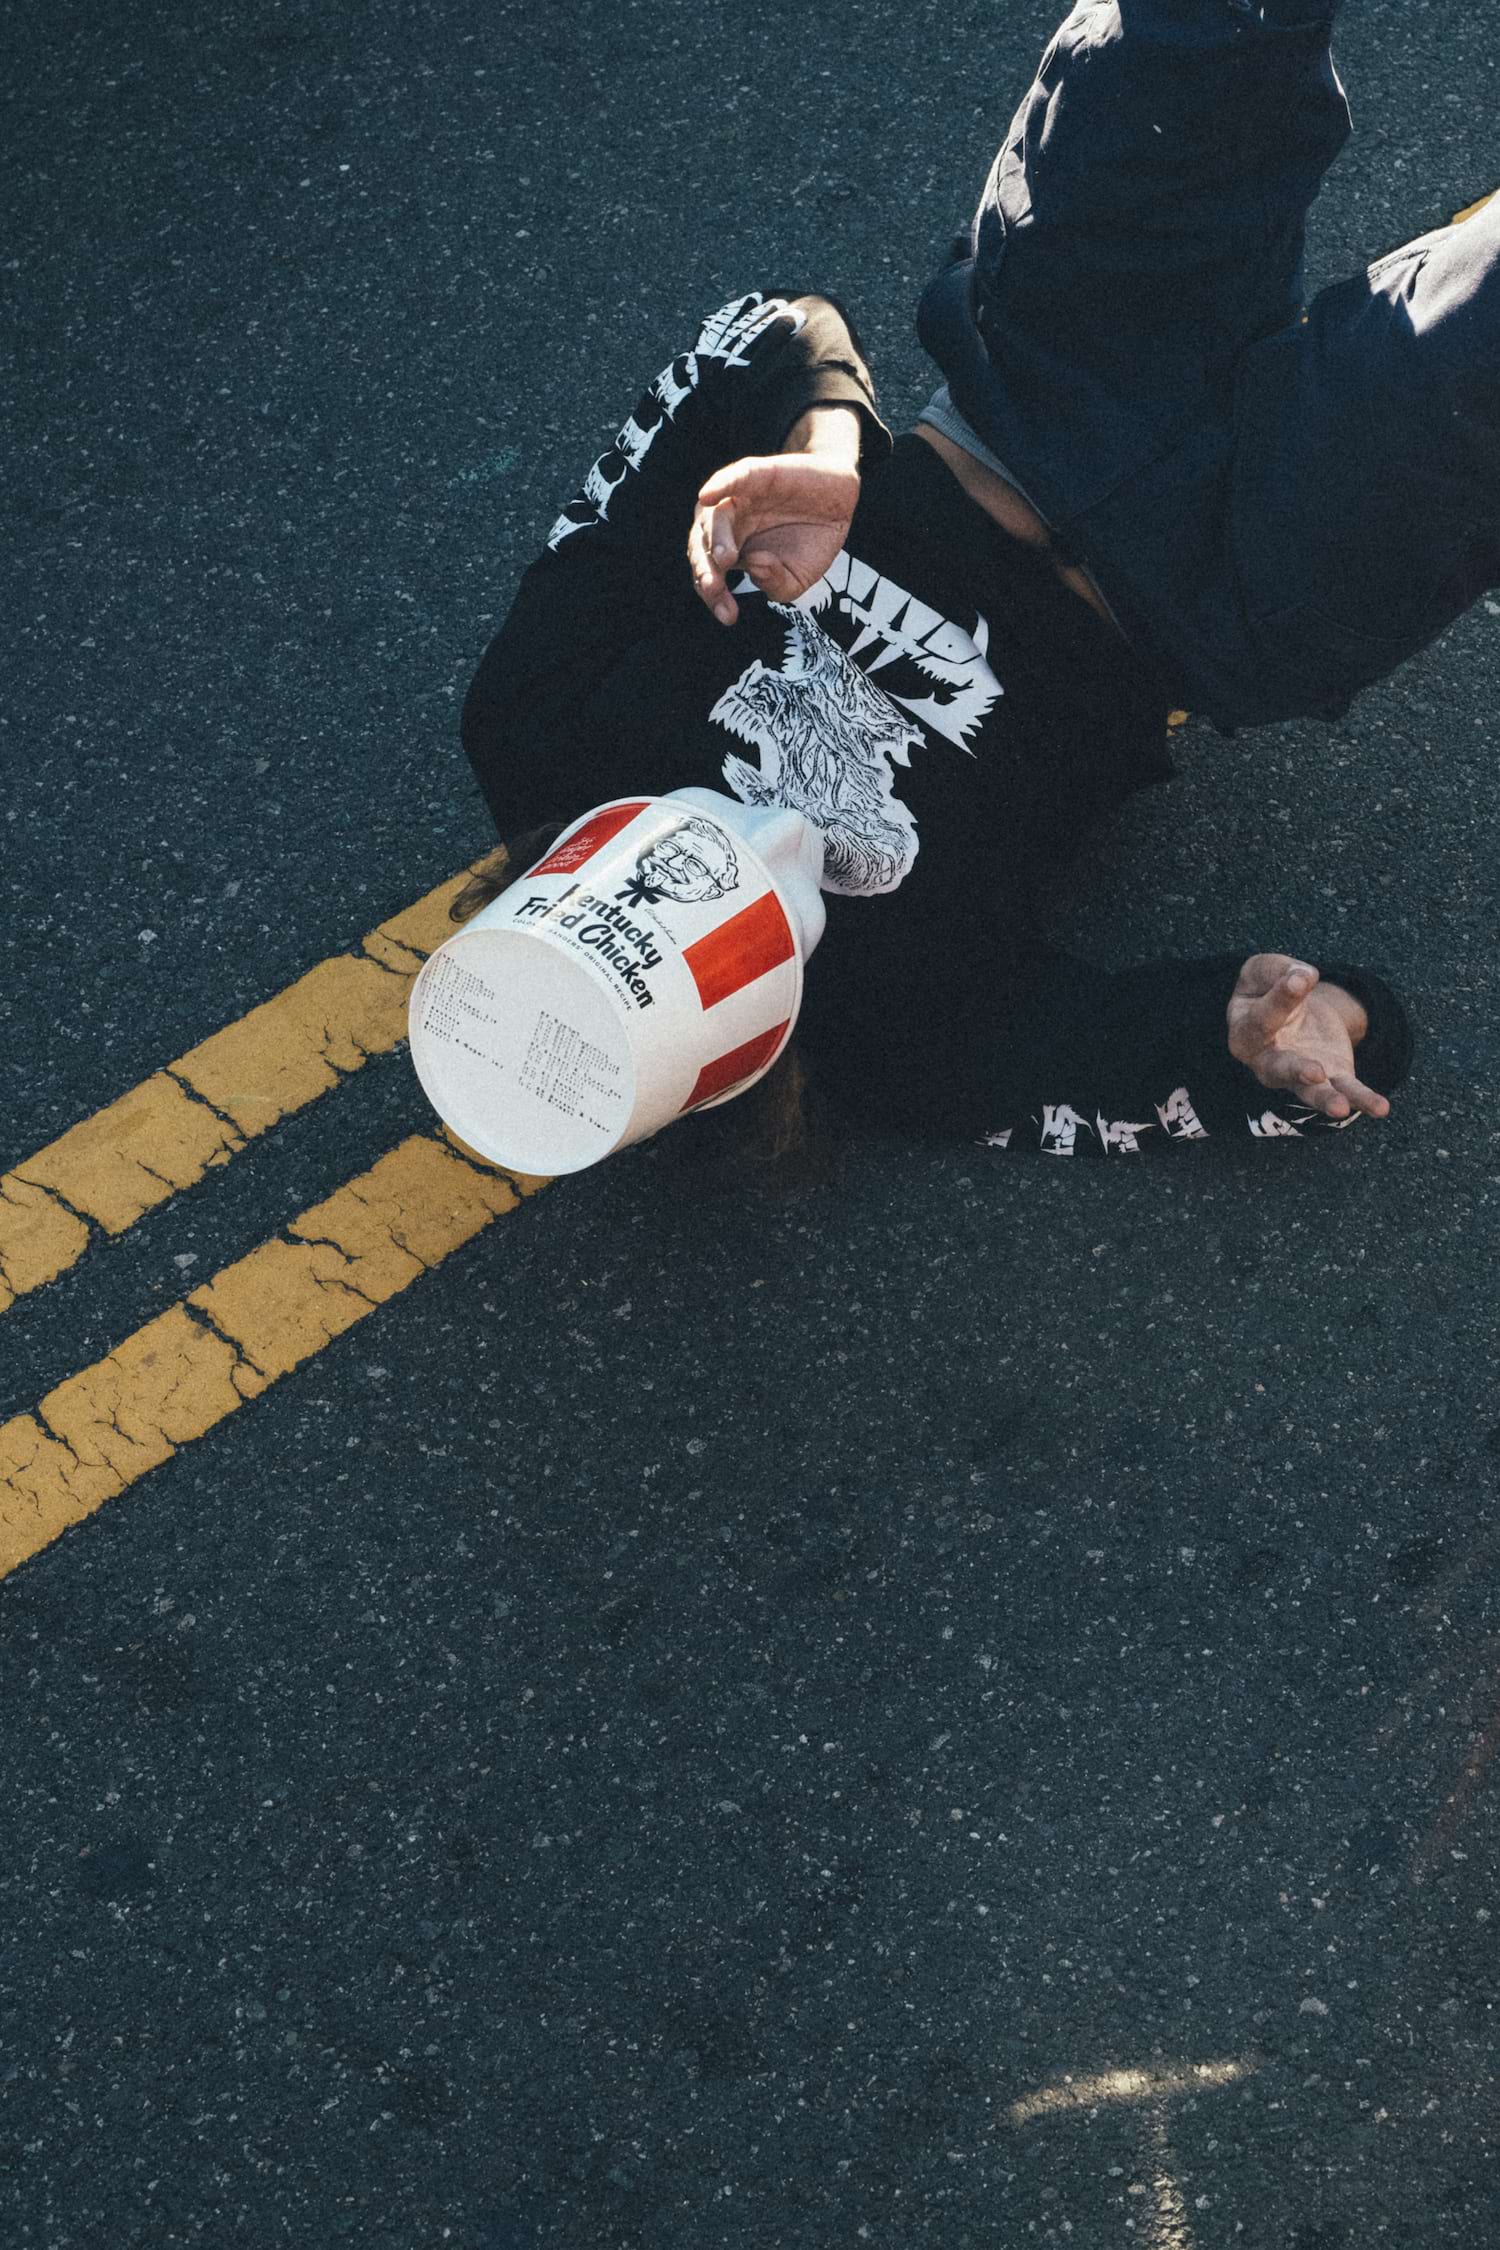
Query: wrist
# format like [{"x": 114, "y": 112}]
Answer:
[{"x": 832, "y": 433}]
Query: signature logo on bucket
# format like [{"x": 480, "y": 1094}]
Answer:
[
  {"x": 694, "y": 863},
  {"x": 626, "y": 948}
]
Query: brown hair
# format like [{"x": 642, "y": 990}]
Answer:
[
  {"x": 777, "y": 1135},
  {"x": 503, "y": 867}
]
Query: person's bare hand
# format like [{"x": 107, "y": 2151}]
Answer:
[
  {"x": 779, "y": 517},
  {"x": 1298, "y": 1036}
]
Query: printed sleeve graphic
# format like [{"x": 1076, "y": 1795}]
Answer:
[
  {"x": 633, "y": 441},
  {"x": 1061, "y": 1126},
  {"x": 728, "y": 334},
  {"x": 1058, "y": 1129},
  {"x": 725, "y": 338},
  {"x": 1179, "y": 1119},
  {"x": 1120, "y": 1137}
]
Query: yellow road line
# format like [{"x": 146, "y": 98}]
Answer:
[
  {"x": 100, "y": 1431},
  {"x": 197, "y": 1112}
]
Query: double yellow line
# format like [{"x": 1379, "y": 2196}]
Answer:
[{"x": 231, "y": 1338}]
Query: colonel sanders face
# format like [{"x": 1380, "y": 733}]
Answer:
[{"x": 694, "y": 864}]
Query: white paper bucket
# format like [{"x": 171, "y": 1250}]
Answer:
[{"x": 649, "y": 965}]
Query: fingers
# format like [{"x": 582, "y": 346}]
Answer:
[
  {"x": 1335, "y": 1094},
  {"x": 1359, "y": 1096},
  {"x": 725, "y": 482},
  {"x": 1286, "y": 1071},
  {"x": 1297, "y": 1040},
  {"x": 770, "y": 573},
  {"x": 1275, "y": 1008},
  {"x": 1271, "y": 989},
  {"x": 712, "y": 550},
  {"x": 1259, "y": 973},
  {"x": 1323, "y": 1094}
]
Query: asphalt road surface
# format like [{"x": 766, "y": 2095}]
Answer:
[{"x": 953, "y": 1708}]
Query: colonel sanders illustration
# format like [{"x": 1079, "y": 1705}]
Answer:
[{"x": 694, "y": 863}]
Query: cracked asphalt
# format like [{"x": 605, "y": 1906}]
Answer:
[{"x": 956, "y": 1707}]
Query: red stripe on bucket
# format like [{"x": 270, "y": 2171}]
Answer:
[
  {"x": 574, "y": 850},
  {"x": 747, "y": 946},
  {"x": 740, "y": 1062}
]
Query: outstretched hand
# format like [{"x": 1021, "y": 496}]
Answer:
[
  {"x": 779, "y": 517},
  {"x": 1298, "y": 1036}
]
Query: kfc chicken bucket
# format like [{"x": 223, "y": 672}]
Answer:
[{"x": 649, "y": 965}]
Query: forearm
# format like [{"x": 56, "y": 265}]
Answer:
[
  {"x": 757, "y": 368},
  {"x": 831, "y": 433},
  {"x": 1145, "y": 1057},
  {"x": 765, "y": 374},
  {"x": 1052, "y": 1054},
  {"x": 1093, "y": 1063}
]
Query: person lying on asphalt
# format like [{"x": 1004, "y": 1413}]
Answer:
[
  {"x": 927, "y": 688},
  {"x": 1153, "y": 477}
]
